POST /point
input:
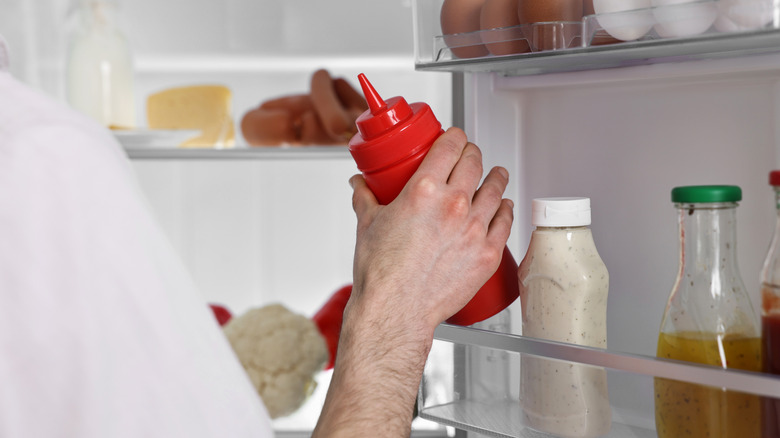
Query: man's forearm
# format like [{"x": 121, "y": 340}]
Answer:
[{"x": 375, "y": 381}]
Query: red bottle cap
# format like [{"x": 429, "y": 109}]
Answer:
[
  {"x": 390, "y": 131},
  {"x": 774, "y": 178},
  {"x": 381, "y": 116}
]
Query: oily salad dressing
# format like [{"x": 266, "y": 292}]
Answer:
[
  {"x": 690, "y": 410},
  {"x": 709, "y": 320}
]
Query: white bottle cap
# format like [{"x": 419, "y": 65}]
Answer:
[{"x": 560, "y": 212}]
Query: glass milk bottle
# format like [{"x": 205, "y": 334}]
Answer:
[
  {"x": 100, "y": 66},
  {"x": 563, "y": 292},
  {"x": 709, "y": 320},
  {"x": 770, "y": 316}
]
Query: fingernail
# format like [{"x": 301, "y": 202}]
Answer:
[
  {"x": 511, "y": 204},
  {"x": 351, "y": 182},
  {"x": 503, "y": 172}
]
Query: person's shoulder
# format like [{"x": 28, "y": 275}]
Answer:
[
  {"x": 23, "y": 108},
  {"x": 27, "y": 114}
]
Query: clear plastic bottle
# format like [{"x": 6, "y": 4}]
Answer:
[
  {"x": 563, "y": 294},
  {"x": 770, "y": 316},
  {"x": 100, "y": 66},
  {"x": 708, "y": 319}
]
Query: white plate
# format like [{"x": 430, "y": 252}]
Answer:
[{"x": 149, "y": 138}]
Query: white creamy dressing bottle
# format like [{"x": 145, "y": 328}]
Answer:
[
  {"x": 563, "y": 292},
  {"x": 100, "y": 66}
]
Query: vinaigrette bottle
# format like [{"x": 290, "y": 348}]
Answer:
[{"x": 708, "y": 320}]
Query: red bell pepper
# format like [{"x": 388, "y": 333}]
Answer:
[
  {"x": 222, "y": 313},
  {"x": 328, "y": 320}
]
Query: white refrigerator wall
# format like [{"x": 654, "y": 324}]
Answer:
[{"x": 625, "y": 138}]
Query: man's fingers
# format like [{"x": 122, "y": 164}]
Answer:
[
  {"x": 363, "y": 198},
  {"x": 488, "y": 198},
  {"x": 468, "y": 170},
  {"x": 501, "y": 225},
  {"x": 443, "y": 155}
]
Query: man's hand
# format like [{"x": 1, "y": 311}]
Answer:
[
  {"x": 418, "y": 261},
  {"x": 428, "y": 252}
]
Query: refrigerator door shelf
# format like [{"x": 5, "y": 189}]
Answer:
[
  {"x": 472, "y": 381},
  {"x": 592, "y": 47}
]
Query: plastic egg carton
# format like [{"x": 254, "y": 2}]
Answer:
[
  {"x": 614, "y": 22},
  {"x": 513, "y": 40},
  {"x": 622, "y": 21}
]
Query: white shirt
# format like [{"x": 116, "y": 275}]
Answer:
[{"x": 102, "y": 333}]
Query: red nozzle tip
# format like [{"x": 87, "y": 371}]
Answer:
[{"x": 375, "y": 102}]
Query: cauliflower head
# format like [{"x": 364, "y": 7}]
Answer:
[{"x": 281, "y": 352}]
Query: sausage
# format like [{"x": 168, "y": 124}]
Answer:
[
  {"x": 348, "y": 96},
  {"x": 312, "y": 131},
  {"x": 354, "y": 113},
  {"x": 295, "y": 104},
  {"x": 334, "y": 118},
  {"x": 268, "y": 127}
]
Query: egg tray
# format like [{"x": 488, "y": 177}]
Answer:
[
  {"x": 669, "y": 22},
  {"x": 526, "y": 38}
]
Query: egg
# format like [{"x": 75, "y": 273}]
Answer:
[
  {"x": 683, "y": 18},
  {"x": 592, "y": 31},
  {"x": 738, "y": 15},
  {"x": 551, "y": 30},
  {"x": 626, "y": 20},
  {"x": 587, "y": 7},
  {"x": 538, "y": 11},
  {"x": 500, "y": 28},
  {"x": 460, "y": 26}
]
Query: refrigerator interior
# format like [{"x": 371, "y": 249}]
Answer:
[
  {"x": 262, "y": 230},
  {"x": 254, "y": 232},
  {"x": 621, "y": 126},
  {"x": 624, "y": 138},
  {"x": 270, "y": 227}
]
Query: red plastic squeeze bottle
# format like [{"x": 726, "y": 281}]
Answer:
[{"x": 392, "y": 140}]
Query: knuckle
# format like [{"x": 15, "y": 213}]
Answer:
[
  {"x": 474, "y": 151},
  {"x": 490, "y": 256},
  {"x": 475, "y": 158},
  {"x": 452, "y": 147},
  {"x": 475, "y": 230},
  {"x": 354, "y": 202},
  {"x": 424, "y": 187},
  {"x": 452, "y": 143},
  {"x": 493, "y": 190},
  {"x": 460, "y": 204},
  {"x": 455, "y": 134}
]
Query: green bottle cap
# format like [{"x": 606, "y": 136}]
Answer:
[{"x": 702, "y": 194}]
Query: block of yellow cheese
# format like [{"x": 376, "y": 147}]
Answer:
[{"x": 206, "y": 108}]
